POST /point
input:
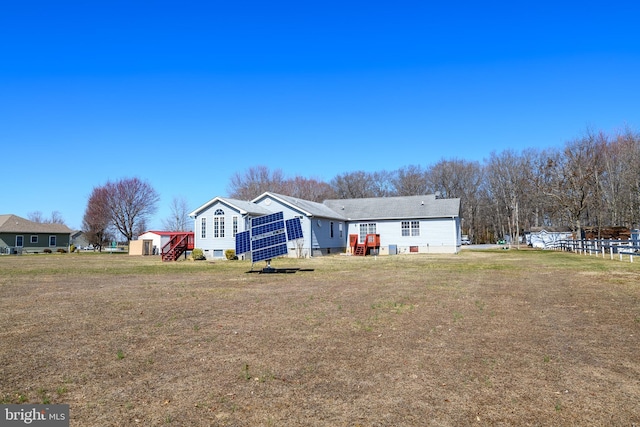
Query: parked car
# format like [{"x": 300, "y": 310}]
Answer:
[{"x": 465, "y": 240}]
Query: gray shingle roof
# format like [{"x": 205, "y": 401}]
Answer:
[
  {"x": 242, "y": 205},
  {"x": 309, "y": 208},
  {"x": 15, "y": 224},
  {"x": 426, "y": 206},
  {"x": 246, "y": 206}
]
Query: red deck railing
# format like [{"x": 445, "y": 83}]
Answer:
[
  {"x": 371, "y": 241},
  {"x": 179, "y": 243}
]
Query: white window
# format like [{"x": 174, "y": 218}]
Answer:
[
  {"x": 19, "y": 241},
  {"x": 235, "y": 226},
  {"x": 52, "y": 240},
  {"x": 410, "y": 228},
  {"x": 203, "y": 228},
  {"x": 415, "y": 228},
  {"x": 218, "y": 224},
  {"x": 366, "y": 229},
  {"x": 34, "y": 239}
]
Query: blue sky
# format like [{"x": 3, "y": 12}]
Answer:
[{"x": 185, "y": 94}]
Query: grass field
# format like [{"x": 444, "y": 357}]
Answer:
[{"x": 479, "y": 338}]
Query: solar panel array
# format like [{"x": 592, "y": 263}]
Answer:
[
  {"x": 243, "y": 242},
  {"x": 294, "y": 229},
  {"x": 268, "y": 236},
  {"x": 269, "y": 253}
]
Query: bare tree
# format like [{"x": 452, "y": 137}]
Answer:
[
  {"x": 410, "y": 181},
  {"x": 355, "y": 185},
  {"x": 620, "y": 180},
  {"x": 255, "y": 181},
  {"x": 382, "y": 183},
  {"x": 573, "y": 178},
  {"x": 460, "y": 179},
  {"x": 97, "y": 218},
  {"x": 506, "y": 175},
  {"x": 307, "y": 188},
  {"x": 130, "y": 202},
  {"x": 56, "y": 218},
  {"x": 178, "y": 219},
  {"x": 35, "y": 217},
  {"x": 444, "y": 178}
]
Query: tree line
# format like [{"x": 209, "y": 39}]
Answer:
[{"x": 591, "y": 181}]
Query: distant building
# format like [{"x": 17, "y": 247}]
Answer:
[
  {"x": 411, "y": 224},
  {"x": 547, "y": 237},
  {"x": 19, "y": 235},
  {"x": 158, "y": 238},
  {"x": 79, "y": 239}
]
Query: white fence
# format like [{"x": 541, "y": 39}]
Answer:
[{"x": 621, "y": 249}]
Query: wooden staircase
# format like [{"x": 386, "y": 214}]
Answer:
[
  {"x": 371, "y": 241},
  {"x": 178, "y": 244},
  {"x": 360, "y": 250}
]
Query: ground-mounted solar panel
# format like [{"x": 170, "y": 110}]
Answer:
[
  {"x": 269, "y": 252},
  {"x": 270, "y": 227},
  {"x": 268, "y": 236},
  {"x": 269, "y": 239},
  {"x": 243, "y": 242},
  {"x": 266, "y": 219},
  {"x": 294, "y": 229}
]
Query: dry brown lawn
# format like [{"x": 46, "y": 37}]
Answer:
[{"x": 513, "y": 338}]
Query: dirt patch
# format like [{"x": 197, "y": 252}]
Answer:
[{"x": 482, "y": 338}]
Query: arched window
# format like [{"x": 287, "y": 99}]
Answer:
[{"x": 218, "y": 224}]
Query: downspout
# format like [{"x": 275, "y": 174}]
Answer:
[{"x": 310, "y": 236}]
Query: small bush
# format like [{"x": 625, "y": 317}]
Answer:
[
  {"x": 197, "y": 254},
  {"x": 230, "y": 254},
  {"x": 72, "y": 248},
  {"x": 47, "y": 251},
  {"x": 61, "y": 251}
]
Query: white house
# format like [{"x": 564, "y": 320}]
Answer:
[
  {"x": 217, "y": 222},
  {"x": 421, "y": 224}
]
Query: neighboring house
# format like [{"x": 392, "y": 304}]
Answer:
[
  {"x": 19, "y": 235},
  {"x": 79, "y": 239},
  {"x": 420, "y": 224}
]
